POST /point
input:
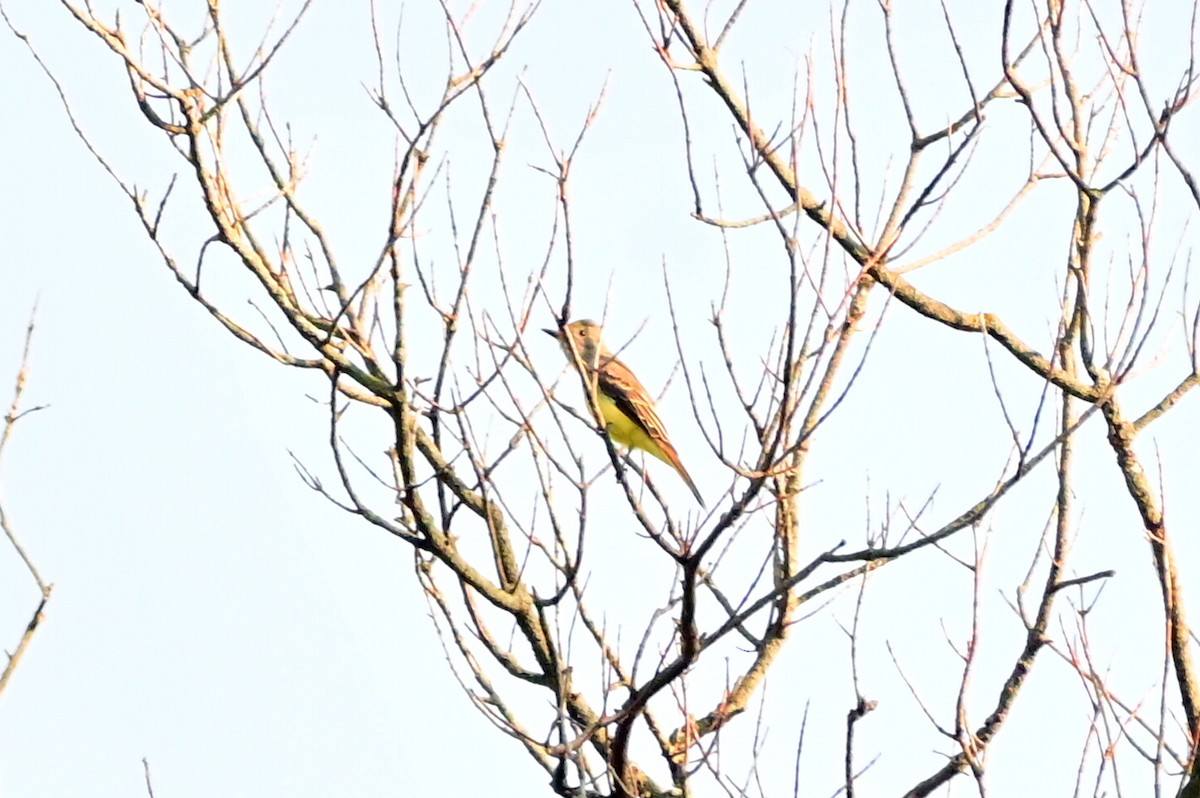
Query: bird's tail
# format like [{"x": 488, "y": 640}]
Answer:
[{"x": 672, "y": 459}]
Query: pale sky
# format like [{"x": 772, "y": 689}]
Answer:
[{"x": 215, "y": 616}]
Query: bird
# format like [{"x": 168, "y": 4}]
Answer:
[{"x": 628, "y": 410}]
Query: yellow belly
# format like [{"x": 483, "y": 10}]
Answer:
[{"x": 626, "y": 432}]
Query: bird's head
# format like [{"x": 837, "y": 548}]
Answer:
[{"x": 584, "y": 334}]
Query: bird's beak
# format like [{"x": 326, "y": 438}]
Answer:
[{"x": 551, "y": 333}]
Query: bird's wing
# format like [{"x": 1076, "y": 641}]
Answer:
[
  {"x": 616, "y": 381},
  {"x": 620, "y": 385}
]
